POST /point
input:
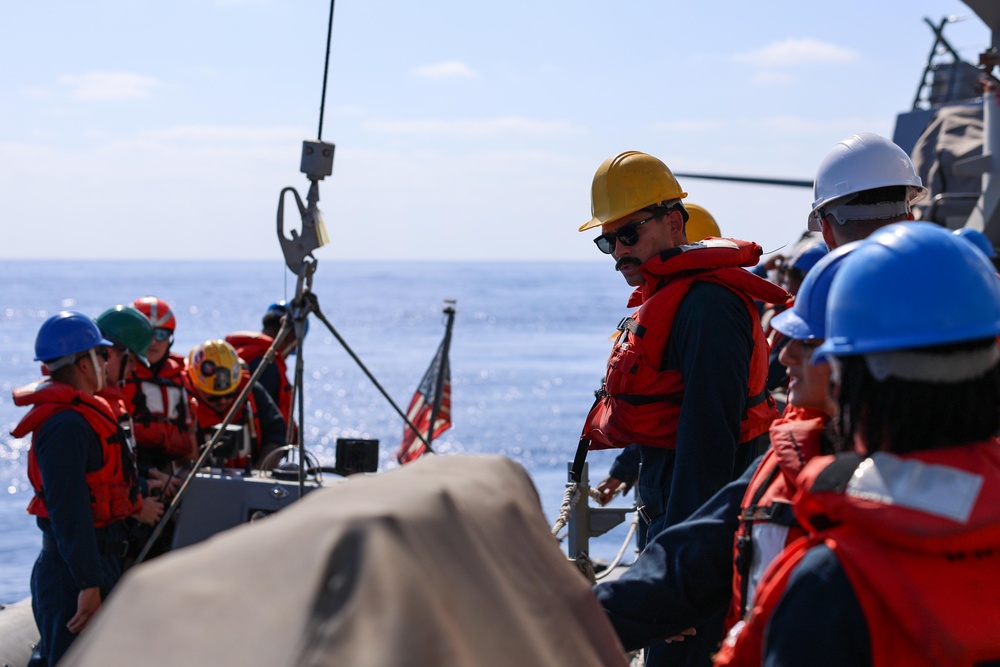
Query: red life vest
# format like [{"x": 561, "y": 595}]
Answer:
[
  {"x": 246, "y": 416},
  {"x": 767, "y": 523},
  {"x": 638, "y": 401},
  {"x": 918, "y": 537},
  {"x": 252, "y": 346},
  {"x": 113, "y": 487},
  {"x": 161, "y": 407}
]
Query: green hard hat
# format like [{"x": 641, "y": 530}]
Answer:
[{"x": 128, "y": 327}]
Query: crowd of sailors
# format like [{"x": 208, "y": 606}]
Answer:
[
  {"x": 861, "y": 525},
  {"x": 116, "y": 424},
  {"x": 812, "y": 441}
]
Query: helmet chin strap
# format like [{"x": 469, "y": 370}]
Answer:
[
  {"x": 98, "y": 375},
  {"x": 121, "y": 368}
]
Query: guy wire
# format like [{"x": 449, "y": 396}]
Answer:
[{"x": 326, "y": 70}]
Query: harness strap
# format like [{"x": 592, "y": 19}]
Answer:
[
  {"x": 629, "y": 324},
  {"x": 576, "y": 470},
  {"x": 779, "y": 513},
  {"x": 744, "y": 543},
  {"x": 757, "y": 399},
  {"x": 640, "y": 399}
]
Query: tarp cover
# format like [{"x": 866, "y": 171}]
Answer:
[
  {"x": 446, "y": 561},
  {"x": 955, "y": 134}
]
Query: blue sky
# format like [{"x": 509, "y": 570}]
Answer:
[{"x": 464, "y": 130}]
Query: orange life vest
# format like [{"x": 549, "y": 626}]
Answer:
[
  {"x": 638, "y": 401},
  {"x": 161, "y": 407},
  {"x": 245, "y": 417},
  {"x": 252, "y": 346},
  {"x": 918, "y": 537},
  {"x": 767, "y": 523},
  {"x": 114, "y": 490}
]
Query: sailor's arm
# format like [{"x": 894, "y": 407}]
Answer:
[{"x": 682, "y": 577}]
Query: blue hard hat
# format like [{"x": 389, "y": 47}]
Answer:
[
  {"x": 806, "y": 319},
  {"x": 911, "y": 285},
  {"x": 806, "y": 258},
  {"x": 978, "y": 239},
  {"x": 67, "y": 333},
  {"x": 277, "y": 308}
]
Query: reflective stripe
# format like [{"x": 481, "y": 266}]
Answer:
[
  {"x": 769, "y": 540},
  {"x": 154, "y": 397},
  {"x": 162, "y": 399},
  {"x": 934, "y": 489}
]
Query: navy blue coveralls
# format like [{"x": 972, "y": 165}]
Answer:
[
  {"x": 75, "y": 555},
  {"x": 711, "y": 343}
]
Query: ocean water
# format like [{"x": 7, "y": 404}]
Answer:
[{"x": 528, "y": 349}]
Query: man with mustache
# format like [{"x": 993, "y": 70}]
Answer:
[{"x": 686, "y": 378}]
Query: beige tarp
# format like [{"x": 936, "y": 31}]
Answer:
[
  {"x": 955, "y": 133},
  {"x": 446, "y": 561}
]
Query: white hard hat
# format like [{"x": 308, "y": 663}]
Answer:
[{"x": 861, "y": 162}]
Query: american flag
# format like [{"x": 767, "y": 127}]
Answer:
[{"x": 433, "y": 397}]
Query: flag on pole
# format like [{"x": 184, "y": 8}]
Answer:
[
  {"x": 431, "y": 402},
  {"x": 429, "y": 414}
]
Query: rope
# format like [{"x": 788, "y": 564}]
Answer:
[
  {"x": 570, "y": 498},
  {"x": 621, "y": 552}
]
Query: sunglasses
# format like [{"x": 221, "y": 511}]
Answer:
[
  {"x": 220, "y": 399},
  {"x": 628, "y": 235},
  {"x": 101, "y": 351},
  {"x": 161, "y": 334}
]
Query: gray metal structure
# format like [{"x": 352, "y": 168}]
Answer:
[{"x": 220, "y": 499}]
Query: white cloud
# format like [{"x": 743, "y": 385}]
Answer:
[
  {"x": 509, "y": 125},
  {"x": 772, "y": 78},
  {"x": 109, "y": 86},
  {"x": 451, "y": 69},
  {"x": 796, "y": 52}
]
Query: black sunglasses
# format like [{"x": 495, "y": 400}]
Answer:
[
  {"x": 628, "y": 234},
  {"x": 220, "y": 399},
  {"x": 100, "y": 350}
]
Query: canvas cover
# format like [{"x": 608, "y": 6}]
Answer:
[
  {"x": 445, "y": 561},
  {"x": 955, "y": 134}
]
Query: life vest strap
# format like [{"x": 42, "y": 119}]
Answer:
[
  {"x": 630, "y": 325},
  {"x": 755, "y": 400},
  {"x": 640, "y": 399},
  {"x": 779, "y": 513}
]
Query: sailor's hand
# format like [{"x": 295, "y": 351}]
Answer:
[
  {"x": 168, "y": 484},
  {"x": 151, "y": 511},
  {"x": 88, "y": 603},
  {"x": 690, "y": 632},
  {"x": 608, "y": 489}
]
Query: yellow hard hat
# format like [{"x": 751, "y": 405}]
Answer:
[
  {"x": 629, "y": 182},
  {"x": 215, "y": 368},
  {"x": 700, "y": 223}
]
